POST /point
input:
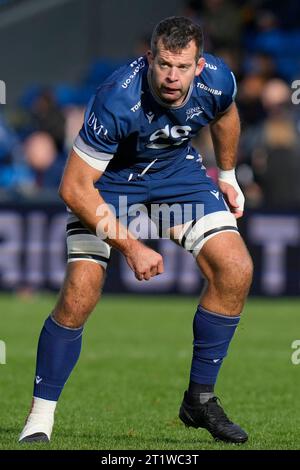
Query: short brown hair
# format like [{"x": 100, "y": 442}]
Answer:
[{"x": 176, "y": 32}]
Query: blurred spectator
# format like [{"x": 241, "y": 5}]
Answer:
[
  {"x": 13, "y": 171},
  {"x": 261, "y": 64},
  {"x": 74, "y": 119},
  {"x": 45, "y": 164},
  {"x": 142, "y": 45},
  {"x": 258, "y": 39},
  {"x": 48, "y": 117},
  {"x": 286, "y": 14},
  {"x": 276, "y": 97},
  {"x": 249, "y": 100},
  {"x": 215, "y": 16},
  {"x": 276, "y": 164},
  {"x": 268, "y": 36},
  {"x": 232, "y": 57},
  {"x": 273, "y": 148}
]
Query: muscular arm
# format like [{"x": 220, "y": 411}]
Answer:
[
  {"x": 225, "y": 131},
  {"x": 78, "y": 192}
]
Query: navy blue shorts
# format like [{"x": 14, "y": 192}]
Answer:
[{"x": 185, "y": 184}]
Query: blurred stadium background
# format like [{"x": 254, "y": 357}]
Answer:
[{"x": 53, "y": 55}]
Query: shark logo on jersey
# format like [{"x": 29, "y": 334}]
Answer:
[
  {"x": 150, "y": 116},
  {"x": 192, "y": 112},
  {"x": 168, "y": 137}
]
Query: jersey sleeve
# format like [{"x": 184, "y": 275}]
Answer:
[
  {"x": 229, "y": 90},
  {"x": 99, "y": 136}
]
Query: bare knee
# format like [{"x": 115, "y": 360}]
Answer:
[
  {"x": 234, "y": 274},
  {"x": 227, "y": 266},
  {"x": 226, "y": 263}
]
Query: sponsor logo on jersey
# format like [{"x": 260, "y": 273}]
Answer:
[
  {"x": 213, "y": 91},
  {"x": 97, "y": 127},
  {"x": 150, "y": 116},
  {"x": 192, "y": 112},
  {"x": 140, "y": 65},
  {"x": 137, "y": 61},
  {"x": 136, "y": 107},
  {"x": 211, "y": 66},
  {"x": 215, "y": 193},
  {"x": 167, "y": 137}
]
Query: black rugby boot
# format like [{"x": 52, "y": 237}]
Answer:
[{"x": 211, "y": 416}]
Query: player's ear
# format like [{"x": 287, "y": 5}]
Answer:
[
  {"x": 200, "y": 66},
  {"x": 150, "y": 57}
]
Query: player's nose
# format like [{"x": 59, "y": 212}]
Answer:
[{"x": 173, "y": 75}]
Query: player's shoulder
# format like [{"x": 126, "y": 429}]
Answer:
[
  {"x": 123, "y": 86},
  {"x": 216, "y": 78}
]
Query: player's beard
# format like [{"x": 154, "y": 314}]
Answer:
[{"x": 170, "y": 95}]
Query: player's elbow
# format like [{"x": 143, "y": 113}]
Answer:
[{"x": 66, "y": 193}]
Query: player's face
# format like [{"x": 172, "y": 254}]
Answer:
[{"x": 173, "y": 72}]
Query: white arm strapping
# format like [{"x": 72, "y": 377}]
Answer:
[{"x": 228, "y": 176}]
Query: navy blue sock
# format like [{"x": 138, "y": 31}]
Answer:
[
  {"x": 212, "y": 336},
  {"x": 58, "y": 351}
]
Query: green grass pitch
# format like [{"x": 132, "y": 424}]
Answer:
[{"x": 127, "y": 387}]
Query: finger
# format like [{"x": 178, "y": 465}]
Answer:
[
  {"x": 153, "y": 271},
  {"x": 160, "y": 267},
  {"x": 228, "y": 201},
  {"x": 147, "y": 275},
  {"x": 232, "y": 195},
  {"x": 237, "y": 214},
  {"x": 139, "y": 276}
]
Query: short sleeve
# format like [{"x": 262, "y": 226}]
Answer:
[
  {"x": 229, "y": 90},
  {"x": 99, "y": 136}
]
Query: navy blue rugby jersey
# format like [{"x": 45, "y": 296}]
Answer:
[{"x": 128, "y": 125}]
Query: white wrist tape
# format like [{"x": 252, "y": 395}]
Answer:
[{"x": 228, "y": 176}]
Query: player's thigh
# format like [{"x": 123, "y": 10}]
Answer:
[
  {"x": 216, "y": 245},
  {"x": 196, "y": 233},
  {"x": 88, "y": 257},
  {"x": 83, "y": 245}
]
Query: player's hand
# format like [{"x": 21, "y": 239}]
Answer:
[
  {"x": 232, "y": 192},
  {"x": 144, "y": 262}
]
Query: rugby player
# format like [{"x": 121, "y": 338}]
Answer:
[{"x": 136, "y": 142}]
